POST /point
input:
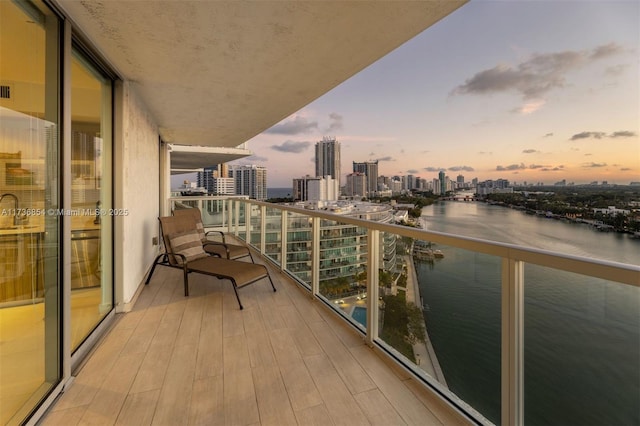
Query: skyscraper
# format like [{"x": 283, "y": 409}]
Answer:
[
  {"x": 356, "y": 185},
  {"x": 369, "y": 169},
  {"x": 328, "y": 158},
  {"x": 250, "y": 180},
  {"x": 443, "y": 182}
]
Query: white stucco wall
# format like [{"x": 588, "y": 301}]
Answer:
[{"x": 137, "y": 190}]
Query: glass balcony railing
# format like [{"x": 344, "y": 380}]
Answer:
[{"x": 505, "y": 333}]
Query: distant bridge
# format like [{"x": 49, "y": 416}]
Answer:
[{"x": 461, "y": 198}]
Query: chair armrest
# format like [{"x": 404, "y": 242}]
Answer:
[
  {"x": 213, "y": 232},
  {"x": 216, "y": 243}
]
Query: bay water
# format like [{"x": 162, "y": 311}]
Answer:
[{"x": 581, "y": 334}]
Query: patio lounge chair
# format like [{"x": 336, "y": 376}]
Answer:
[
  {"x": 184, "y": 250},
  {"x": 215, "y": 248}
]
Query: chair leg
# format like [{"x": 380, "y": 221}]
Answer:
[
  {"x": 271, "y": 281},
  {"x": 186, "y": 281},
  {"x": 235, "y": 289},
  {"x": 153, "y": 268}
]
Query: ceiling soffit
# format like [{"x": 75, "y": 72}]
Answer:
[{"x": 217, "y": 73}]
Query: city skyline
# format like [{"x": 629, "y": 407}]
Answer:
[{"x": 525, "y": 91}]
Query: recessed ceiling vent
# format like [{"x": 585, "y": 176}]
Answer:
[{"x": 5, "y": 91}]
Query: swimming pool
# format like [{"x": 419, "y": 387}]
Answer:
[{"x": 360, "y": 314}]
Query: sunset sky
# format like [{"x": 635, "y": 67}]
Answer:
[{"x": 521, "y": 90}]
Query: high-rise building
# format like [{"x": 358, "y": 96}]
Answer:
[
  {"x": 315, "y": 189},
  {"x": 250, "y": 180},
  {"x": 356, "y": 185},
  {"x": 443, "y": 182},
  {"x": 328, "y": 159},
  {"x": 370, "y": 170},
  {"x": 409, "y": 181},
  {"x": 222, "y": 186},
  {"x": 208, "y": 179},
  {"x": 205, "y": 177}
]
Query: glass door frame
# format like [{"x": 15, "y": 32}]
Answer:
[{"x": 69, "y": 362}]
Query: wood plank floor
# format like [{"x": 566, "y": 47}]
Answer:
[{"x": 283, "y": 360}]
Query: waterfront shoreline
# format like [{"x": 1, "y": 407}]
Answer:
[{"x": 425, "y": 350}]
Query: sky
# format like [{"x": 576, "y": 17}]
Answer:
[{"x": 535, "y": 91}]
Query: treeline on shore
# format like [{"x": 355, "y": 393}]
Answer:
[{"x": 579, "y": 204}]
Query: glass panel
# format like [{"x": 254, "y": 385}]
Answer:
[
  {"x": 581, "y": 349},
  {"x": 299, "y": 246},
  {"x": 343, "y": 264},
  {"x": 273, "y": 234},
  {"x": 30, "y": 364},
  {"x": 184, "y": 204},
  {"x": 241, "y": 220},
  {"x": 458, "y": 292},
  {"x": 255, "y": 226},
  {"x": 91, "y": 201},
  {"x": 213, "y": 214}
]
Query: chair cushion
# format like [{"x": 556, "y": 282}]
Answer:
[
  {"x": 200, "y": 230},
  {"x": 187, "y": 243}
]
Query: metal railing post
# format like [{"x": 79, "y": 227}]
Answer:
[
  {"x": 283, "y": 239},
  {"x": 263, "y": 230},
  {"x": 236, "y": 231},
  {"x": 223, "y": 204},
  {"x": 315, "y": 256},
  {"x": 229, "y": 207},
  {"x": 373, "y": 260},
  {"x": 247, "y": 222},
  {"x": 512, "y": 342}
]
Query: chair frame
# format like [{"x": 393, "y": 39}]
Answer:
[
  {"x": 206, "y": 242},
  {"x": 163, "y": 259}
]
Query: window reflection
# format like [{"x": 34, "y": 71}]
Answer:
[{"x": 91, "y": 231}]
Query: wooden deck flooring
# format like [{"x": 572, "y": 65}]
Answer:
[{"x": 199, "y": 360}]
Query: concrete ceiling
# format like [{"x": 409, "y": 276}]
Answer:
[
  {"x": 217, "y": 73},
  {"x": 189, "y": 158}
]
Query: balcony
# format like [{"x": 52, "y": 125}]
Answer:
[
  {"x": 330, "y": 352},
  {"x": 284, "y": 359}
]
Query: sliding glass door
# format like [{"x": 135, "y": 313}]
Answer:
[
  {"x": 30, "y": 325},
  {"x": 91, "y": 200}
]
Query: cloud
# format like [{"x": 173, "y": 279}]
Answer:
[
  {"x": 485, "y": 152},
  {"x": 588, "y": 154},
  {"x": 252, "y": 159},
  {"x": 387, "y": 158},
  {"x": 432, "y": 169},
  {"x": 622, "y": 134},
  {"x": 291, "y": 146},
  {"x": 625, "y": 169},
  {"x": 594, "y": 165},
  {"x": 616, "y": 70},
  {"x": 520, "y": 166},
  {"x": 536, "y": 76},
  {"x": 296, "y": 126},
  {"x": 537, "y": 166},
  {"x": 548, "y": 135},
  {"x": 605, "y": 50},
  {"x": 600, "y": 135},
  {"x": 461, "y": 169},
  {"x": 529, "y": 151},
  {"x": 529, "y": 107},
  {"x": 336, "y": 122},
  {"x": 554, "y": 169},
  {"x": 586, "y": 135},
  {"x": 412, "y": 171}
]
